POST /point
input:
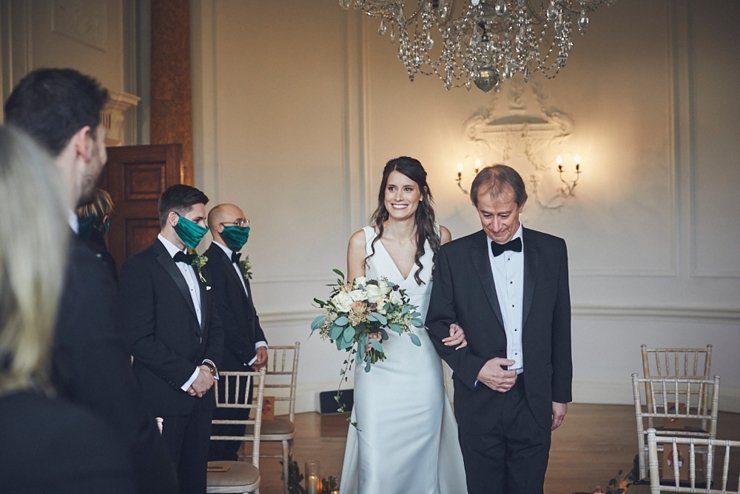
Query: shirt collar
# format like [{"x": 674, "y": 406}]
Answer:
[
  {"x": 171, "y": 248},
  {"x": 518, "y": 234},
  {"x": 226, "y": 250},
  {"x": 74, "y": 222}
]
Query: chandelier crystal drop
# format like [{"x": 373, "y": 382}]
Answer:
[{"x": 481, "y": 42}]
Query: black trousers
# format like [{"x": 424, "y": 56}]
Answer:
[
  {"x": 511, "y": 456},
  {"x": 187, "y": 438}
]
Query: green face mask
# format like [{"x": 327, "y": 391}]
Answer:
[
  {"x": 189, "y": 232},
  {"x": 235, "y": 236}
]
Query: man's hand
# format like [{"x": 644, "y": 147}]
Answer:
[
  {"x": 202, "y": 383},
  {"x": 261, "y": 359},
  {"x": 456, "y": 338},
  {"x": 493, "y": 375},
  {"x": 558, "y": 414}
]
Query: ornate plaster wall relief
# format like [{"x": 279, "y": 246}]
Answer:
[
  {"x": 520, "y": 129},
  {"x": 83, "y": 20}
]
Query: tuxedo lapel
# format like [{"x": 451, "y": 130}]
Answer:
[
  {"x": 169, "y": 265},
  {"x": 479, "y": 256},
  {"x": 203, "y": 304},
  {"x": 231, "y": 273},
  {"x": 531, "y": 262}
]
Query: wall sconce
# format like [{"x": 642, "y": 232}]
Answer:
[
  {"x": 460, "y": 168},
  {"x": 567, "y": 188}
]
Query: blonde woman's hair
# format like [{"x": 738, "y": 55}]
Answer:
[
  {"x": 99, "y": 207},
  {"x": 34, "y": 233}
]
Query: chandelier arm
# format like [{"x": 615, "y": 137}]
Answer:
[{"x": 412, "y": 17}]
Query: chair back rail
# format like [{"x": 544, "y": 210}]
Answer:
[
  {"x": 718, "y": 454},
  {"x": 687, "y": 407}
]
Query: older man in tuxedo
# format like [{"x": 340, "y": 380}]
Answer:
[
  {"x": 173, "y": 328},
  {"x": 91, "y": 366},
  {"x": 245, "y": 345},
  {"x": 507, "y": 286}
]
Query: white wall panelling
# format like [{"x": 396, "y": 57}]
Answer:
[{"x": 298, "y": 105}]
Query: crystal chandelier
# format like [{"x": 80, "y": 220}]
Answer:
[{"x": 481, "y": 42}]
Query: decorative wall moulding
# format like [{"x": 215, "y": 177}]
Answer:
[
  {"x": 114, "y": 115},
  {"x": 520, "y": 129},
  {"x": 83, "y": 20}
]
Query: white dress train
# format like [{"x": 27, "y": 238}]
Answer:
[{"x": 405, "y": 441}]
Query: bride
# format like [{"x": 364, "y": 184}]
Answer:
[{"x": 405, "y": 436}]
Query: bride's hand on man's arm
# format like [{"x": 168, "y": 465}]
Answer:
[{"x": 456, "y": 338}]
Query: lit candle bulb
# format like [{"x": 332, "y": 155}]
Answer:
[
  {"x": 559, "y": 161},
  {"x": 577, "y": 159},
  {"x": 477, "y": 165},
  {"x": 312, "y": 484}
]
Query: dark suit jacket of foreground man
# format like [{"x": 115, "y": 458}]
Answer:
[
  {"x": 91, "y": 366},
  {"x": 464, "y": 292},
  {"x": 168, "y": 343}
]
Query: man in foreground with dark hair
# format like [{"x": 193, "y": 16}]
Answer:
[
  {"x": 170, "y": 321},
  {"x": 61, "y": 109}
]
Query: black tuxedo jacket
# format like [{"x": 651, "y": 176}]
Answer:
[
  {"x": 235, "y": 310},
  {"x": 49, "y": 445},
  {"x": 161, "y": 325},
  {"x": 464, "y": 292},
  {"x": 91, "y": 366}
]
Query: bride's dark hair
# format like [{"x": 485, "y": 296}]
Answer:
[{"x": 425, "y": 223}]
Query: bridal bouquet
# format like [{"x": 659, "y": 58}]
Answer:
[{"x": 366, "y": 307}]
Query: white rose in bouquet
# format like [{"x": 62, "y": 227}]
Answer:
[
  {"x": 342, "y": 301},
  {"x": 395, "y": 297},
  {"x": 358, "y": 295},
  {"x": 374, "y": 294}
]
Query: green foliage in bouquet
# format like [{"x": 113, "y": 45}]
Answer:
[
  {"x": 358, "y": 317},
  {"x": 366, "y": 308}
]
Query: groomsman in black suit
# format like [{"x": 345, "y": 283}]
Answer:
[
  {"x": 91, "y": 366},
  {"x": 507, "y": 286},
  {"x": 245, "y": 344},
  {"x": 170, "y": 321}
]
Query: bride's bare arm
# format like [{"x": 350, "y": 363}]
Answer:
[
  {"x": 356, "y": 256},
  {"x": 444, "y": 235}
]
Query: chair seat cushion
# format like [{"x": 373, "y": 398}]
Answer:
[
  {"x": 232, "y": 474},
  {"x": 278, "y": 426}
]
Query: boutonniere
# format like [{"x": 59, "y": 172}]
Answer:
[
  {"x": 246, "y": 267},
  {"x": 198, "y": 263}
]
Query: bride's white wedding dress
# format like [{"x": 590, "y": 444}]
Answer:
[{"x": 405, "y": 440}]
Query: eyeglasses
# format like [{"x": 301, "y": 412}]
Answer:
[{"x": 240, "y": 222}]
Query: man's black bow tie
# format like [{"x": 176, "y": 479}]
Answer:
[
  {"x": 183, "y": 257},
  {"x": 235, "y": 256},
  {"x": 498, "y": 249}
]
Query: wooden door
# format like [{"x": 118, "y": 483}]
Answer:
[{"x": 135, "y": 177}]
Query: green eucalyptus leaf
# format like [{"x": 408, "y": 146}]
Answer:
[
  {"x": 376, "y": 316},
  {"x": 341, "y": 321},
  {"x": 335, "y": 332},
  {"x": 376, "y": 345},
  {"x": 397, "y": 328},
  {"x": 318, "y": 322},
  {"x": 349, "y": 333},
  {"x": 415, "y": 339}
]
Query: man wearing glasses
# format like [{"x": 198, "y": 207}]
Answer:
[{"x": 245, "y": 346}]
